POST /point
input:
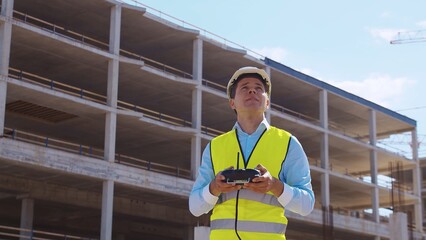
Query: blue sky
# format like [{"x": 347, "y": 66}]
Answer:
[{"x": 344, "y": 43}]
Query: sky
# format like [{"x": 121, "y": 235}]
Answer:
[{"x": 343, "y": 43}]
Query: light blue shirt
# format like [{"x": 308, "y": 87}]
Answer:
[{"x": 297, "y": 196}]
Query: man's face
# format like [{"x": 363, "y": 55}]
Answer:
[{"x": 250, "y": 96}]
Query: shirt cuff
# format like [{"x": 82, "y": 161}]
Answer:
[
  {"x": 208, "y": 197},
  {"x": 286, "y": 196}
]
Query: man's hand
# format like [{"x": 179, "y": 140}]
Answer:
[
  {"x": 217, "y": 187},
  {"x": 265, "y": 183}
]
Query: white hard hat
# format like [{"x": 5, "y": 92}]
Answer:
[{"x": 248, "y": 70}]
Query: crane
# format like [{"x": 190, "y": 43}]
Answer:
[{"x": 409, "y": 37}]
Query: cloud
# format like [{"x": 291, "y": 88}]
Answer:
[
  {"x": 421, "y": 24},
  {"x": 379, "y": 88},
  {"x": 278, "y": 54},
  {"x": 384, "y": 34}
]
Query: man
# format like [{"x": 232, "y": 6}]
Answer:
[{"x": 254, "y": 210}]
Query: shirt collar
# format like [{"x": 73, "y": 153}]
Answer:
[{"x": 262, "y": 126}]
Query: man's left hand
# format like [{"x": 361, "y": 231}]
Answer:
[{"x": 265, "y": 183}]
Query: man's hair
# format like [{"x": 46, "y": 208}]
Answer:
[{"x": 246, "y": 75}]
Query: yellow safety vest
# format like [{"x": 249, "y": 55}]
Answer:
[{"x": 245, "y": 214}]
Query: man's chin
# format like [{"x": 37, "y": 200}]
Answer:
[{"x": 256, "y": 108}]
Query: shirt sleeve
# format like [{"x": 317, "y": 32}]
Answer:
[
  {"x": 201, "y": 201},
  {"x": 298, "y": 195}
]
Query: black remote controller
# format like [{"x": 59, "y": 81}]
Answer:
[{"x": 240, "y": 176}]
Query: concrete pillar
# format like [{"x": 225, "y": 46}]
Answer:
[
  {"x": 195, "y": 155},
  {"x": 114, "y": 30},
  {"x": 111, "y": 117},
  {"x": 107, "y": 204},
  {"x": 110, "y": 136},
  {"x": 323, "y": 101},
  {"x": 27, "y": 216},
  {"x": 325, "y": 158},
  {"x": 112, "y": 89},
  {"x": 197, "y": 60},
  {"x": 268, "y": 111},
  {"x": 3, "y": 93},
  {"x": 398, "y": 226},
  {"x": 373, "y": 166},
  {"x": 197, "y": 75},
  {"x": 5, "y": 35},
  {"x": 325, "y": 177},
  {"x": 417, "y": 183},
  {"x": 375, "y": 198},
  {"x": 114, "y": 48},
  {"x": 111, "y": 121},
  {"x": 7, "y": 8},
  {"x": 5, "y": 39},
  {"x": 201, "y": 233},
  {"x": 196, "y": 108}
]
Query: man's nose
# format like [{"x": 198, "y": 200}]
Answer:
[{"x": 252, "y": 90}]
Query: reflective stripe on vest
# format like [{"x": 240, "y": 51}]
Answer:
[
  {"x": 248, "y": 226},
  {"x": 250, "y": 195},
  {"x": 246, "y": 212}
]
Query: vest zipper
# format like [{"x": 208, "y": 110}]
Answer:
[
  {"x": 238, "y": 167},
  {"x": 236, "y": 204},
  {"x": 236, "y": 216}
]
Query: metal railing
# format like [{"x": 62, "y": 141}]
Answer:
[
  {"x": 298, "y": 115},
  {"x": 94, "y": 153},
  {"x": 151, "y": 166},
  {"x": 337, "y": 169},
  {"x": 56, "y": 85},
  {"x": 78, "y": 37},
  {"x": 214, "y": 85},
  {"x": 159, "y": 116},
  {"x": 59, "y": 30}
]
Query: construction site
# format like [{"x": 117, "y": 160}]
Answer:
[{"x": 106, "y": 107}]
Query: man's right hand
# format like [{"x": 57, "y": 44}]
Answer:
[{"x": 217, "y": 187}]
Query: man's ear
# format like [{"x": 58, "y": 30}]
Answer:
[
  {"x": 232, "y": 103},
  {"x": 268, "y": 103}
]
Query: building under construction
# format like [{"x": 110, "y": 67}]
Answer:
[{"x": 106, "y": 107}]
